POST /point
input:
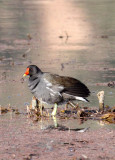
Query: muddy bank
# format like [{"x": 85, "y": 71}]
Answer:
[{"x": 24, "y": 140}]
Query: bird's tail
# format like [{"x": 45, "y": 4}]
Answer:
[{"x": 81, "y": 99}]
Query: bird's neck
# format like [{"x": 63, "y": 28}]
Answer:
[{"x": 36, "y": 77}]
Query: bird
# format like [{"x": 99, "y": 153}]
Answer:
[{"x": 53, "y": 88}]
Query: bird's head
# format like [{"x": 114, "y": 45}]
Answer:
[{"x": 32, "y": 70}]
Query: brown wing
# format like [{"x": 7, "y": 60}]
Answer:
[{"x": 67, "y": 85}]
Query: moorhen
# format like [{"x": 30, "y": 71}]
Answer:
[{"x": 52, "y": 88}]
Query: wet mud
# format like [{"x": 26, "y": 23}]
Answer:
[
  {"x": 36, "y": 137},
  {"x": 26, "y": 141}
]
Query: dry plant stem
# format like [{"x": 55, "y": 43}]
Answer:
[
  {"x": 100, "y": 96},
  {"x": 28, "y": 110},
  {"x": 79, "y": 112},
  {"x": 34, "y": 103}
]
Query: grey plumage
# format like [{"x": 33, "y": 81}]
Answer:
[{"x": 52, "y": 88}]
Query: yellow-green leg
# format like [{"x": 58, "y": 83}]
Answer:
[{"x": 54, "y": 110}]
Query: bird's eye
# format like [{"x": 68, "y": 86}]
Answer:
[{"x": 31, "y": 69}]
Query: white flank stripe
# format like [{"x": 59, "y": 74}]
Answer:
[
  {"x": 77, "y": 98},
  {"x": 52, "y": 94},
  {"x": 53, "y": 91},
  {"x": 47, "y": 82},
  {"x": 61, "y": 87},
  {"x": 80, "y": 98}
]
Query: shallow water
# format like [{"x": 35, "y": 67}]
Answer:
[{"x": 72, "y": 38}]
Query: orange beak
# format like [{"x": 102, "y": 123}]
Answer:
[{"x": 26, "y": 73}]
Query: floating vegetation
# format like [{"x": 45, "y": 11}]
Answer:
[
  {"x": 4, "y": 110},
  {"x": 111, "y": 84},
  {"x": 109, "y": 117},
  {"x": 37, "y": 111},
  {"x": 29, "y": 37},
  {"x": 66, "y": 36}
]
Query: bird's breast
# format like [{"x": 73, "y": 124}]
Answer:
[{"x": 33, "y": 85}]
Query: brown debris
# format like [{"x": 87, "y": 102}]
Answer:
[
  {"x": 111, "y": 84},
  {"x": 104, "y": 36},
  {"x": 4, "y": 110},
  {"x": 37, "y": 111},
  {"x": 109, "y": 117},
  {"x": 29, "y": 36}
]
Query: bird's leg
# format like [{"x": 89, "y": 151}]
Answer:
[
  {"x": 66, "y": 105},
  {"x": 54, "y": 110},
  {"x": 55, "y": 121},
  {"x": 40, "y": 105},
  {"x": 71, "y": 104}
]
